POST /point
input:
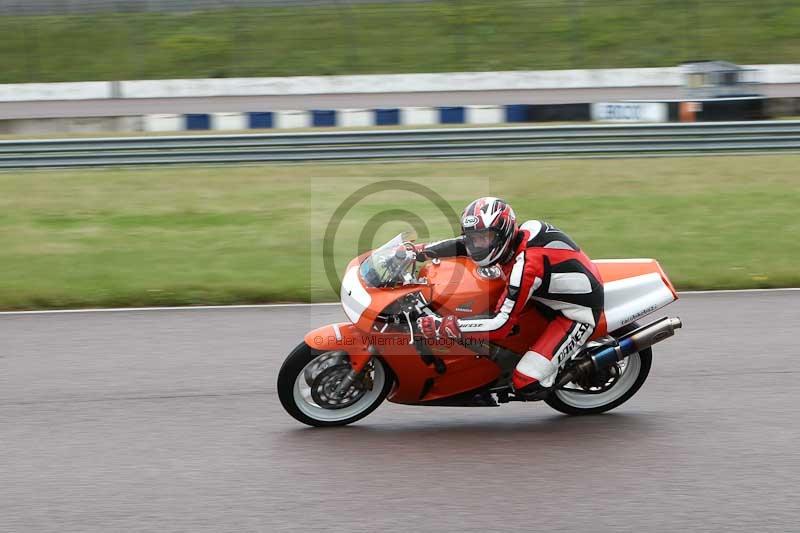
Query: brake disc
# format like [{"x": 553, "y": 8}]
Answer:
[
  {"x": 602, "y": 380},
  {"x": 320, "y": 364},
  {"x": 323, "y": 388}
]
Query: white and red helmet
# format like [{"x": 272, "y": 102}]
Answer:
[{"x": 489, "y": 226}]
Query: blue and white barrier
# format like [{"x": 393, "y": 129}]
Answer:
[
  {"x": 734, "y": 108},
  {"x": 485, "y": 114},
  {"x": 292, "y": 119},
  {"x": 164, "y": 122},
  {"x": 743, "y": 108},
  {"x": 229, "y": 121},
  {"x": 321, "y": 118},
  {"x": 418, "y": 116},
  {"x": 354, "y": 118}
]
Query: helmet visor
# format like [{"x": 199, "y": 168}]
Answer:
[{"x": 481, "y": 243}]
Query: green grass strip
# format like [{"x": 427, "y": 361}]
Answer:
[
  {"x": 249, "y": 234},
  {"x": 435, "y": 36}
]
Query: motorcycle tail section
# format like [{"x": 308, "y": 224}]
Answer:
[{"x": 633, "y": 288}]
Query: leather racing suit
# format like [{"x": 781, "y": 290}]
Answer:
[{"x": 549, "y": 271}]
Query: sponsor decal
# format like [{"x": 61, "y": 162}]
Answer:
[
  {"x": 470, "y": 221},
  {"x": 630, "y": 111},
  {"x": 572, "y": 344},
  {"x": 622, "y": 112},
  {"x": 640, "y": 314},
  {"x": 466, "y": 307}
]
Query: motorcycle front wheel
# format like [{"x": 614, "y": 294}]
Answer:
[{"x": 308, "y": 379}]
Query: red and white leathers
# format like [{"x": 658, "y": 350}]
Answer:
[{"x": 548, "y": 270}]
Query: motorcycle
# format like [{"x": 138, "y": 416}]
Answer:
[{"x": 342, "y": 372}]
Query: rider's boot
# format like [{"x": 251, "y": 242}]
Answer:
[{"x": 534, "y": 376}]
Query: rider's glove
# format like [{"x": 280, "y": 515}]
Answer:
[
  {"x": 433, "y": 327},
  {"x": 449, "y": 328},
  {"x": 429, "y": 326},
  {"x": 417, "y": 249}
]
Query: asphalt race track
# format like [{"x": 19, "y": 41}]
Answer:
[{"x": 169, "y": 421}]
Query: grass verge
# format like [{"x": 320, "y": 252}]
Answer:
[{"x": 248, "y": 234}]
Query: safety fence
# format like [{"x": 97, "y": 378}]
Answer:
[{"x": 521, "y": 142}]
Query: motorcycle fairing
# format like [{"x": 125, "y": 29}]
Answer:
[
  {"x": 464, "y": 372},
  {"x": 632, "y": 288},
  {"x": 363, "y": 304},
  {"x": 341, "y": 337}
]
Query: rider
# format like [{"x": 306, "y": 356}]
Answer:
[{"x": 544, "y": 268}]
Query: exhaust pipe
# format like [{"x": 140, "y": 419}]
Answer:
[{"x": 635, "y": 341}]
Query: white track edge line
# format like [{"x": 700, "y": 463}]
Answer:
[
  {"x": 270, "y": 306},
  {"x": 734, "y": 291},
  {"x": 173, "y": 308}
]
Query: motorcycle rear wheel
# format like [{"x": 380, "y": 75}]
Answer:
[
  {"x": 637, "y": 367},
  {"x": 297, "y": 399}
]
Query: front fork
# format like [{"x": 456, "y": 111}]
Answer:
[{"x": 359, "y": 362}]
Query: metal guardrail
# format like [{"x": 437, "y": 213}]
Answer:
[{"x": 521, "y": 142}]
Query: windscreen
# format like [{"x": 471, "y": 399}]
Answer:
[{"x": 391, "y": 264}]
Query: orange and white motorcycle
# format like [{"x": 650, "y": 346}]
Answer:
[{"x": 341, "y": 372}]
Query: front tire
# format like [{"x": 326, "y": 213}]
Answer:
[{"x": 298, "y": 399}]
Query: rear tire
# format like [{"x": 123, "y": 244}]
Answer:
[
  {"x": 296, "y": 402},
  {"x": 575, "y": 403}
]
